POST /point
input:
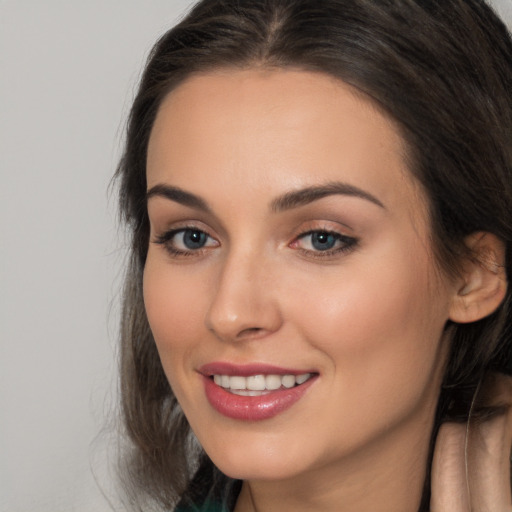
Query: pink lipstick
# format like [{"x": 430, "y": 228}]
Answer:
[{"x": 254, "y": 392}]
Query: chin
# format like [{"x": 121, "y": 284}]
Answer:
[
  {"x": 258, "y": 470},
  {"x": 258, "y": 459}
]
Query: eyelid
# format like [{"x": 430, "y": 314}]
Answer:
[
  {"x": 165, "y": 238},
  {"x": 349, "y": 243},
  {"x": 343, "y": 243}
]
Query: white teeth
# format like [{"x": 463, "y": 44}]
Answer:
[
  {"x": 245, "y": 392},
  {"x": 254, "y": 384},
  {"x": 238, "y": 383},
  {"x": 288, "y": 381},
  {"x": 272, "y": 382},
  {"x": 300, "y": 379}
]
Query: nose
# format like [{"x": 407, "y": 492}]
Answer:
[{"x": 244, "y": 302}]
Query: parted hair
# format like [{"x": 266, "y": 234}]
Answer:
[{"x": 442, "y": 70}]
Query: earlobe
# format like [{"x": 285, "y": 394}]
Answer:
[{"x": 484, "y": 283}]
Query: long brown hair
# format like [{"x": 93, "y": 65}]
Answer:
[{"x": 442, "y": 69}]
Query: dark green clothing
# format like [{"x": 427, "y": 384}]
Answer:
[
  {"x": 208, "y": 506},
  {"x": 209, "y": 491}
]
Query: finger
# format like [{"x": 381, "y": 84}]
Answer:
[{"x": 449, "y": 484}]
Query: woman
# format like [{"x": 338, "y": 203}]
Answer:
[{"x": 319, "y": 195}]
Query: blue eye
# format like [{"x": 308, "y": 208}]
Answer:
[
  {"x": 324, "y": 243},
  {"x": 185, "y": 241},
  {"x": 192, "y": 239}
]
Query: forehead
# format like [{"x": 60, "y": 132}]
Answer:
[{"x": 283, "y": 128}]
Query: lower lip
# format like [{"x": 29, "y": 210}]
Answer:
[{"x": 253, "y": 408}]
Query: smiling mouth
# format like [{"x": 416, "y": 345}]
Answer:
[
  {"x": 258, "y": 385},
  {"x": 254, "y": 392}
]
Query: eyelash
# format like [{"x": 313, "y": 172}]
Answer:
[
  {"x": 348, "y": 243},
  {"x": 166, "y": 240}
]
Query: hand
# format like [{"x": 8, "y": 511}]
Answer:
[{"x": 474, "y": 476}]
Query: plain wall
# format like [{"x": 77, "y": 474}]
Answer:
[{"x": 68, "y": 72}]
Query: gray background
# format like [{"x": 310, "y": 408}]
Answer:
[{"x": 67, "y": 75}]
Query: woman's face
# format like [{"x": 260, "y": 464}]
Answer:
[{"x": 290, "y": 283}]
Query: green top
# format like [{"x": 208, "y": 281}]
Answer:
[{"x": 208, "y": 506}]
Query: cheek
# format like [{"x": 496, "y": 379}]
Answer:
[
  {"x": 165, "y": 306},
  {"x": 175, "y": 307},
  {"x": 381, "y": 329}
]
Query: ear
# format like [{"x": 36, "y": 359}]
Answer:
[{"x": 483, "y": 284}]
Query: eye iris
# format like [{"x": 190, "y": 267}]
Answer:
[
  {"x": 323, "y": 241},
  {"x": 194, "y": 239}
]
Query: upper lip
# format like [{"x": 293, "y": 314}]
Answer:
[{"x": 246, "y": 370}]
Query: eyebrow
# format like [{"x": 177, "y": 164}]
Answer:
[
  {"x": 288, "y": 201},
  {"x": 179, "y": 196},
  {"x": 297, "y": 198}
]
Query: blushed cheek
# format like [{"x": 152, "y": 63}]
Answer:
[
  {"x": 385, "y": 361},
  {"x": 169, "y": 308},
  {"x": 382, "y": 319}
]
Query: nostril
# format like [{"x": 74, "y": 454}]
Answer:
[{"x": 249, "y": 332}]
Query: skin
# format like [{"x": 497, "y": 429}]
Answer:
[{"x": 369, "y": 320}]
